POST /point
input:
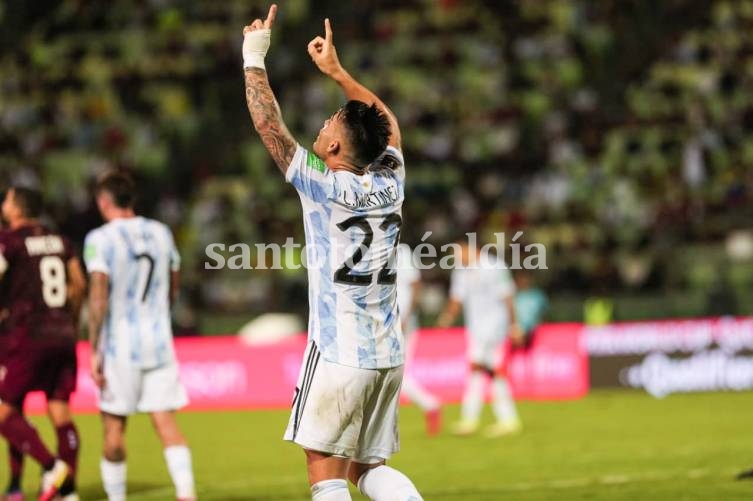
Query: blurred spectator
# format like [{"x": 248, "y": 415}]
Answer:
[{"x": 538, "y": 115}]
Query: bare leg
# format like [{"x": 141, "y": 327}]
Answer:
[
  {"x": 112, "y": 465},
  {"x": 327, "y": 474},
  {"x": 177, "y": 453}
]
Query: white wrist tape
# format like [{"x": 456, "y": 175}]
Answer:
[{"x": 255, "y": 46}]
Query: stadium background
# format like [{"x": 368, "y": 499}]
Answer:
[{"x": 616, "y": 133}]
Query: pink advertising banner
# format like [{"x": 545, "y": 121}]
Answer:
[{"x": 226, "y": 373}]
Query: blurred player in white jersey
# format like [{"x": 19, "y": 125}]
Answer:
[
  {"x": 408, "y": 291},
  {"x": 133, "y": 267},
  {"x": 485, "y": 290},
  {"x": 351, "y": 189}
]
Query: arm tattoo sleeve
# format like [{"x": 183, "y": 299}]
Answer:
[
  {"x": 98, "y": 299},
  {"x": 267, "y": 118}
]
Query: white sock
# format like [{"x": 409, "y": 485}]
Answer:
[
  {"x": 330, "y": 490},
  {"x": 473, "y": 398},
  {"x": 417, "y": 394},
  {"x": 178, "y": 458},
  {"x": 504, "y": 406},
  {"x": 113, "y": 479},
  {"x": 387, "y": 484}
]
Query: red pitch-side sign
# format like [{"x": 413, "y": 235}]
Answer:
[{"x": 224, "y": 373}]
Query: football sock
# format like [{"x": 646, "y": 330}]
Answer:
[
  {"x": 178, "y": 458},
  {"x": 330, "y": 490},
  {"x": 19, "y": 433},
  {"x": 417, "y": 394},
  {"x": 113, "y": 479},
  {"x": 387, "y": 484},
  {"x": 16, "y": 460},
  {"x": 473, "y": 398},
  {"x": 68, "y": 444},
  {"x": 503, "y": 406}
]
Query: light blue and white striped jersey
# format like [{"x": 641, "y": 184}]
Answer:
[
  {"x": 352, "y": 226},
  {"x": 138, "y": 255}
]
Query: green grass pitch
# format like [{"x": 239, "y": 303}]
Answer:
[{"x": 610, "y": 445}]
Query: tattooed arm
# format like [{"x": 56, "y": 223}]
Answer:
[
  {"x": 267, "y": 118},
  {"x": 99, "y": 297},
  {"x": 261, "y": 101}
]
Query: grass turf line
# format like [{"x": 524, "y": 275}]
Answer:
[{"x": 610, "y": 445}]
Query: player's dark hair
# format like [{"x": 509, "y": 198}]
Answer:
[
  {"x": 29, "y": 201},
  {"x": 120, "y": 186},
  {"x": 368, "y": 130}
]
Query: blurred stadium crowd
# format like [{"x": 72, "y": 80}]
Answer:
[{"x": 618, "y": 134}]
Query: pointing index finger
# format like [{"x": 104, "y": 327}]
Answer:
[
  {"x": 270, "y": 20},
  {"x": 327, "y": 30}
]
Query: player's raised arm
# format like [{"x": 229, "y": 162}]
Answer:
[
  {"x": 261, "y": 101},
  {"x": 324, "y": 55}
]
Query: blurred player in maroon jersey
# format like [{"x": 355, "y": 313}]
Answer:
[
  {"x": 43, "y": 288},
  {"x": 15, "y": 456}
]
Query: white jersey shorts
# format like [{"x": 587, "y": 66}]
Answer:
[
  {"x": 345, "y": 411},
  {"x": 130, "y": 389},
  {"x": 487, "y": 352}
]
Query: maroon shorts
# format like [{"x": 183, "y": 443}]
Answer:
[{"x": 48, "y": 368}]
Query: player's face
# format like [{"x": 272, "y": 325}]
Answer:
[
  {"x": 103, "y": 203},
  {"x": 329, "y": 140},
  {"x": 8, "y": 207}
]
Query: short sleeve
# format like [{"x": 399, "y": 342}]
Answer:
[
  {"x": 310, "y": 176},
  {"x": 392, "y": 159},
  {"x": 97, "y": 253},
  {"x": 457, "y": 285}
]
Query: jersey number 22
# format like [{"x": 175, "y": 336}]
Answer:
[{"x": 344, "y": 274}]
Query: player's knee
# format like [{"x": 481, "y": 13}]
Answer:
[
  {"x": 482, "y": 369},
  {"x": 114, "y": 446},
  {"x": 59, "y": 413},
  {"x": 5, "y": 412},
  {"x": 115, "y": 453}
]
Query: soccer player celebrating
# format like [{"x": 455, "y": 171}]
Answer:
[
  {"x": 43, "y": 286},
  {"x": 351, "y": 189},
  {"x": 408, "y": 290},
  {"x": 483, "y": 287},
  {"x": 133, "y": 271}
]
